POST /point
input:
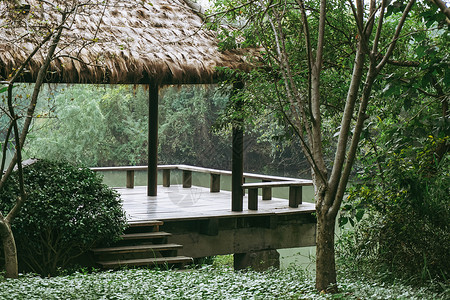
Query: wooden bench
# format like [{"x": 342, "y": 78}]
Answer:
[{"x": 295, "y": 191}]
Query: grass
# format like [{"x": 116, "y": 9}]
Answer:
[{"x": 204, "y": 283}]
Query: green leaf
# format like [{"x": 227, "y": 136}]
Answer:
[
  {"x": 343, "y": 221},
  {"x": 352, "y": 222},
  {"x": 420, "y": 51},
  {"x": 359, "y": 214}
]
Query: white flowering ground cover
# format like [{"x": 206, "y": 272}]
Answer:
[{"x": 204, "y": 283}]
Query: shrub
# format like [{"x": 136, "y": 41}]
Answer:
[
  {"x": 68, "y": 211},
  {"x": 406, "y": 229}
]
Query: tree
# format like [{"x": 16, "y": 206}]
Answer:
[
  {"x": 320, "y": 60},
  {"x": 24, "y": 24}
]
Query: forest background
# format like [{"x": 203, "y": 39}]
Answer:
[{"x": 108, "y": 125}]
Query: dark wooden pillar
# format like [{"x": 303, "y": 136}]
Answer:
[
  {"x": 214, "y": 185},
  {"x": 266, "y": 192},
  {"x": 237, "y": 165},
  {"x": 130, "y": 179},
  {"x": 295, "y": 196},
  {"x": 152, "y": 140},
  {"x": 237, "y": 170},
  {"x": 187, "y": 178},
  {"x": 166, "y": 177}
]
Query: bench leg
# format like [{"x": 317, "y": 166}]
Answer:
[
  {"x": 130, "y": 179},
  {"x": 266, "y": 192},
  {"x": 295, "y": 196},
  {"x": 187, "y": 179},
  {"x": 253, "y": 199},
  {"x": 214, "y": 185},
  {"x": 166, "y": 177}
]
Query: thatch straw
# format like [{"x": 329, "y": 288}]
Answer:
[{"x": 116, "y": 42}]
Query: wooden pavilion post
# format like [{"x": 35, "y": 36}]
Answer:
[
  {"x": 237, "y": 165},
  {"x": 152, "y": 173},
  {"x": 237, "y": 170}
]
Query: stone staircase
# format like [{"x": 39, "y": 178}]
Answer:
[{"x": 142, "y": 245}]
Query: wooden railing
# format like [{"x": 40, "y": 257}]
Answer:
[{"x": 268, "y": 182}]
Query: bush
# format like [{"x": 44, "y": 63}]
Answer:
[
  {"x": 406, "y": 228},
  {"x": 68, "y": 211}
]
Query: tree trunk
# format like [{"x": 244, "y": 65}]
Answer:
[
  {"x": 325, "y": 260},
  {"x": 10, "y": 250}
]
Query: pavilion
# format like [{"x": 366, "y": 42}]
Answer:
[{"x": 156, "y": 43}]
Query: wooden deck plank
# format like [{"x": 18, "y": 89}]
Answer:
[
  {"x": 145, "y": 261},
  {"x": 137, "y": 248},
  {"x": 145, "y": 235},
  {"x": 177, "y": 203},
  {"x": 275, "y": 184}
]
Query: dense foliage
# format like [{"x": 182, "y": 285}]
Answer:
[
  {"x": 205, "y": 283},
  {"x": 407, "y": 225},
  {"x": 70, "y": 118},
  {"x": 68, "y": 211},
  {"x": 399, "y": 203}
]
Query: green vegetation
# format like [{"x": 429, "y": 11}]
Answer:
[
  {"x": 399, "y": 200},
  {"x": 204, "y": 283},
  {"x": 406, "y": 228},
  {"x": 70, "y": 118},
  {"x": 75, "y": 116},
  {"x": 69, "y": 210}
]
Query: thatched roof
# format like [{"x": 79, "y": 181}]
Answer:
[{"x": 115, "y": 42}]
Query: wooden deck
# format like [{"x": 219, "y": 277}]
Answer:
[
  {"x": 178, "y": 203},
  {"x": 203, "y": 223}
]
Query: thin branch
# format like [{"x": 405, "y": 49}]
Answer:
[
  {"x": 370, "y": 21},
  {"x": 231, "y": 9},
  {"x": 309, "y": 54},
  {"x": 291, "y": 88},
  {"x": 297, "y": 131},
  {"x": 32, "y": 105},
  {"x": 8, "y": 133},
  {"x": 396, "y": 35},
  {"x": 403, "y": 63},
  {"x": 19, "y": 71},
  {"x": 444, "y": 9},
  {"x": 321, "y": 36},
  {"x": 372, "y": 73},
  {"x": 379, "y": 29},
  {"x": 356, "y": 16},
  {"x": 79, "y": 60},
  {"x": 350, "y": 102}
]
